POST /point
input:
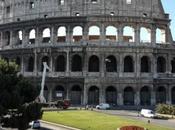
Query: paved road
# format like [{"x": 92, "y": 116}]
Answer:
[
  {"x": 44, "y": 126},
  {"x": 134, "y": 115}
]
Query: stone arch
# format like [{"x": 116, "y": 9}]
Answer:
[
  {"x": 111, "y": 33},
  {"x": 111, "y": 95},
  {"x": 161, "y": 64},
  {"x": 77, "y": 33},
  {"x": 128, "y": 34},
  {"x": 94, "y": 64},
  {"x": 94, "y": 33},
  {"x": 128, "y": 64},
  {"x": 32, "y": 36},
  {"x": 46, "y": 35},
  {"x": 93, "y": 95},
  {"x": 44, "y": 59},
  {"x": 173, "y": 95},
  {"x": 30, "y": 64},
  {"x": 111, "y": 64},
  {"x": 145, "y": 35},
  {"x": 76, "y": 63},
  {"x": 61, "y": 34},
  {"x": 59, "y": 93},
  {"x": 76, "y": 95},
  {"x": 60, "y": 65},
  {"x": 128, "y": 96},
  {"x": 160, "y": 95},
  {"x": 145, "y": 96},
  {"x": 145, "y": 64},
  {"x": 160, "y": 35}
]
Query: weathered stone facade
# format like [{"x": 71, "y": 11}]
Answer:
[{"x": 90, "y": 49}]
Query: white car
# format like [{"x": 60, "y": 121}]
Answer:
[
  {"x": 103, "y": 106},
  {"x": 147, "y": 113},
  {"x": 35, "y": 124}
]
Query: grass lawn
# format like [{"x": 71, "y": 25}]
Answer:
[{"x": 90, "y": 120}]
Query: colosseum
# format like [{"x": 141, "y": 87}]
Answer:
[{"x": 115, "y": 51}]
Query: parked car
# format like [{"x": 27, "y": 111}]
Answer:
[
  {"x": 35, "y": 124},
  {"x": 147, "y": 113},
  {"x": 103, "y": 106}
]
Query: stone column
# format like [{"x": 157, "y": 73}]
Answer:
[
  {"x": 120, "y": 97},
  {"x": 153, "y": 96},
  {"x": 102, "y": 66},
  {"x": 102, "y": 95},
  {"x": 22, "y": 64},
  {"x": 1, "y": 39},
  {"x": 153, "y": 35},
  {"x": 85, "y": 95},
  {"x": 68, "y": 35},
  {"x": 85, "y": 62},
  {"x": 50, "y": 91},
  {"x": 120, "y": 34},
  {"x": 67, "y": 93},
  {"x": 36, "y": 63},
  {"x": 168, "y": 94},
  {"x": 67, "y": 63},
  {"x": 137, "y": 98},
  {"x": 25, "y": 37},
  {"x": 102, "y": 34},
  {"x": 53, "y": 35},
  {"x": 85, "y": 33},
  {"x": 137, "y": 35},
  {"x": 38, "y": 36},
  {"x": 121, "y": 65}
]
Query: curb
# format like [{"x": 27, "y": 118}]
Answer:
[{"x": 59, "y": 125}]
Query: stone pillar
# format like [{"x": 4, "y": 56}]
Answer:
[
  {"x": 102, "y": 34},
  {"x": 168, "y": 94},
  {"x": 85, "y": 62},
  {"x": 68, "y": 35},
  {"x": 22, "y": 65},
  {"x": 120, "y": 97},
  {"x": 50, "y": 96},
  {"x": 137, "y": 35},
  {"x": 25, "y": 37},
  {"x": 85, "y": 95},
  {"x": 102, "y": 95},
  {"x": 51, "y": 63},
  {"x": 102, "y": 66},
  {"x": 121, "y": 64},
  {"x": 137, "y": 65},
  {"x": 36, "y": 63},
  {"x": 53, "y": 35},
  {"x": 120, "y": 33},
  {"x": 137, "y": 98},
  {"x": 153, "y": 35},
  {"x": 85, "y": 34},
  {"x": 168, "y": 64},
  {"x": 153, "y": 96},
  {"x": 67, "y": 63},
  {"x": 67, "y": 93},
  {"x": 154, "y": 64},
  {"x": 1, "y": 39},
  {"x": 38, "y": 36}
]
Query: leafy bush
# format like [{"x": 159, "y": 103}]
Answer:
[{"x": 165, "y": 109}]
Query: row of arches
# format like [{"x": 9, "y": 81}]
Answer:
[
  {"x": 111, "y": 95},
  {"x": 110, "y": 61},
  {"x": 94, "y": 33}
]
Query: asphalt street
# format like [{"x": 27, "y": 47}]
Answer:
[{"x": 134, "y": 115}]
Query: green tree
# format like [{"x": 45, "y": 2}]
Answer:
[{"x": 16, "y": 96}]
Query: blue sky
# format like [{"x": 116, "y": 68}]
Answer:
[{"x": 169, "y": 7}]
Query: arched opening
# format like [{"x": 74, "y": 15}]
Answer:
[
  {"x": 76, "y": 63},
  {"x": 46, "y": 92},
  {"x": 32, "y": 36},
  {"x": 30, "y": 66},
  {"x": 44, "y": 59},
  {"x": 111, "y": 95},
  {"x": 61, "y": 34},
  {"x": 19, "y": 37},
  {"x": 128, "y": 64},
  {"x": 93, "y": 95},
  {"x": 145, "y": 35},
  {"x": 160, "y": 35},
  {"x": 145, "y": 96},
  {"x": 76, "y": 95},
  {"x": 128, "y": 34},
  {"x": 161, "y": 65},
  {"x": 60, "y": 65},
  {"x": 59, "y": 93},
  {"x": 173, "y": 95},
  {"x": 128, "y": 96},
  {"x": 77, "y": 33},
  {"x": 94, "y": 33},
  {"x": 161, "y": 95},
  {"x": 46, "y": 35},
  {"x": 173, "y": 65},
  {"x": 145, "y": 64},
  {"x": 111, "y": 33},
  {"x": 111, "y": 64},
  {"x": 7, "y": 38},
  {"x": 94, "y": 64}
]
